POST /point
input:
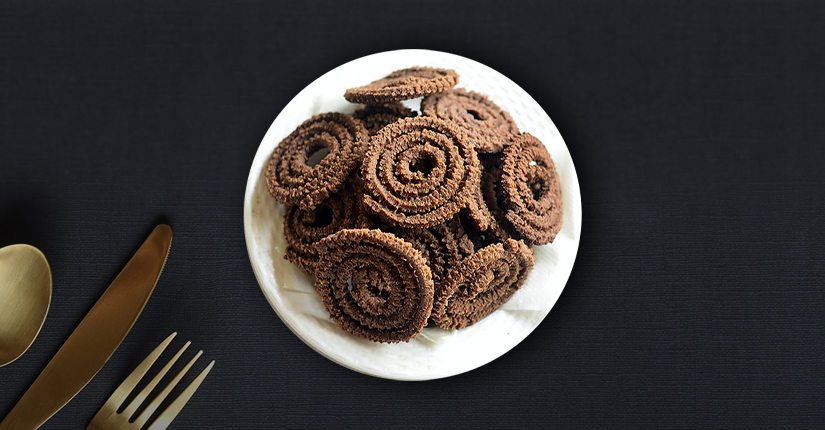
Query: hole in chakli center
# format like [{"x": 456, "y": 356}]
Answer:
[
  {"x": 424, "y": 165},
  {"x": 368, "y": 282},
  {"x": 475, "y": 114},
  {"x": 315, "y": 155},
  {"x": 537, "y": 188},
  {"x": 377, "y": 290},
  {"x": 322, "y": 216}
]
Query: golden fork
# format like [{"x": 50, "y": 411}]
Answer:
[{"x": 109, "y": 419}]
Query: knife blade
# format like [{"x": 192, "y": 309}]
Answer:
[{"x": 96, "y": 338}]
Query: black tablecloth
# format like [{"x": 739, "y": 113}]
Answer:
[{"x": 697, "y": 134}]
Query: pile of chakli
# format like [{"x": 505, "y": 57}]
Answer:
[{"x": 406, "y": 219}]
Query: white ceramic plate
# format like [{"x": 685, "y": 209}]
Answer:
[{"x": 435, "y": 353}]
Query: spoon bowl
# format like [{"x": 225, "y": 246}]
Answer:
[{"x": 25, "y": 296}]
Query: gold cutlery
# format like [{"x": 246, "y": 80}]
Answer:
[
  {"x": 25, "y": 296},
  {"x": 109, "y": 419},
  {"x": 96, "y": 337}
]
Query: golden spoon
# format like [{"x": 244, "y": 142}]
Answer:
[{"x": 25, "y": 296}]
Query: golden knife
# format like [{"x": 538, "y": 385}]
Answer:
[{"x": 96, "y": 337}]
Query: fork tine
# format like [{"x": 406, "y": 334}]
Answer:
[
  {"x": 130, "y": 410},
  {"x": 172, "y": 411},
  {"x": 144, "y": 416},
  {"x": 122, "y": 392}
]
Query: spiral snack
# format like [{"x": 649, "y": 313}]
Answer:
[
  {"x": 303, "y": 228},
  {"x": 292, "y": 175},
  {"x": 486, "y": 125},
  {"x": 374, "y": 285},
  {"x": 480, "y": 283},
  {"x": 530, "y": 187},
  {"x": 419, "y": 172},
  {"x": 404, "y": 84},
  {"x": 375, "y": 117}
]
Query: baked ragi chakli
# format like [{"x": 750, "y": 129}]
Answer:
[
  {"x": 407, "y": 220},
  {"x": 419, "y": 172},
  {"x": 295, "y": 175},
  {"x": 531, "y": 193},
  {"x": 374, "y": 285}
]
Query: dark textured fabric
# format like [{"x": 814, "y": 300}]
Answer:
[{"x": 696, "y": 129}]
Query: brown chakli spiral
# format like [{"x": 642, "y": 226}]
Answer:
[
  {"x": 531, "y": 191},
  {"x": 376, "y": 117},
  {"x": 303, "y": 228},
  {"x": 291, "y": 177},
  {"x": 404, "y": 84},
  {"x": 419, "y": 172},
  {"x": 480, "y": 283},
  {"x": 485, "y": 123},
  {"x": 374, "y": 285}
]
